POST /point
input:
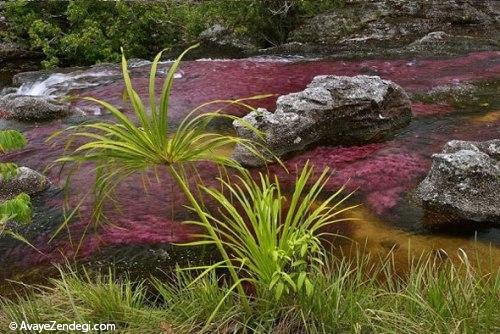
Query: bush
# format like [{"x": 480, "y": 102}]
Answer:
[
  {"x": 19, "y": 207},
  {"x": 87, "y": 31}
]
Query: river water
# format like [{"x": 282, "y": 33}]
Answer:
[{"x": 384, "y": 175}]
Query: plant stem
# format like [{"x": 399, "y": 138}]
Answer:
[{"x": 185, "y": 189}]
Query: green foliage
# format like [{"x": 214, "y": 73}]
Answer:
[
  {"x": 360, "y": 295},
  {"x": 124, "y": 148},
  {"x": 17, "y": 208},
  {"x": 268, "y": 22},
  {"x": 273, "y": 239},
  {"x": 87, "y": 31},
  {"x": 8, "y": 170},
  {"x": 11, "y": 140}
]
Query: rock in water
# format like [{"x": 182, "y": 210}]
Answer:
[
  {"x": 463, "y": 184},
  {"x": 26, "y": 181},
  {"x": 33, "y": 108},
  {"x": 381, "y": 27},
  {"x": 333, "y": 110}
]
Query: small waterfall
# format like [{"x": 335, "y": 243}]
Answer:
[{"x": 59, "y": 84}]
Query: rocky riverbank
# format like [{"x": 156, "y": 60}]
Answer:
[{"x": 394, "y": 28}]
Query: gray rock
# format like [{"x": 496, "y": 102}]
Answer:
[
  {"x": 32, "y": 108},
  {"x": 432, "y": 37},
  {"x": 30, "y": 77},
  {"x": 12, "y": 51},
  {"x": 334, "y": 110},
  {"x": 381, "y": 27},
  {"x": 463, "y": 184},
  {"x": 220, "y": 36},
  {"x": 26, "y": 181}
]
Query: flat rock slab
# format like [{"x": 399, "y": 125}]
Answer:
[
  {"x": 332, "y": 110},
  {"x": 389, "y": 27},
  {"x": 32, "y": 108},
  {"x": 463, "y": 185}
]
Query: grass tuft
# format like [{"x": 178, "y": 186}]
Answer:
[{"x": 358, "y": 295}]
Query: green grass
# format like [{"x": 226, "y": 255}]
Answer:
[
  {"x": 350, "y": 296},
  {"x": 274, "y": 239}
]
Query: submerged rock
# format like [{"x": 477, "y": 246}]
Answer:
[
  {"x": 25, "y": 181},
  {"x": 332, "y": 110},
  {"x": 32, "y": 108},
  {"x": 463, "y": 184},
  {"x": 416, "y": 27}
]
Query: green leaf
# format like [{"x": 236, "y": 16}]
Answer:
[
  {"x": 279, "y": 291},
  {"x": 309, "y": 287},
  {"x": 300, "y": 280},
  {"x": 17, "y": 208},
  {"x": 11, "y": 140}
]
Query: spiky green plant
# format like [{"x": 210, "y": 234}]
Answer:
[
  {"x": 274, "y": 239},
  {"x": 126, "y": 147}
]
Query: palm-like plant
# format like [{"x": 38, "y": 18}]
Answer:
[
  {"x": 273, "y": 238},
  {"x": 125, "y": 147}
]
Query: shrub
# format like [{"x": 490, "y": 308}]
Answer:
[
  {"x": 87, "y": 31},
  {"x": 274, "y": 239},
  {"x": 19, "y": 207}
]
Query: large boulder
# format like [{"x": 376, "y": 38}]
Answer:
[
  {"x": 33, "y": 108},
  {"x": 399, "y": 26},
  {"x": 26, "y": 181},
  {"x": 333, "y": 110},
  {"x": 463, "y": 185}
]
